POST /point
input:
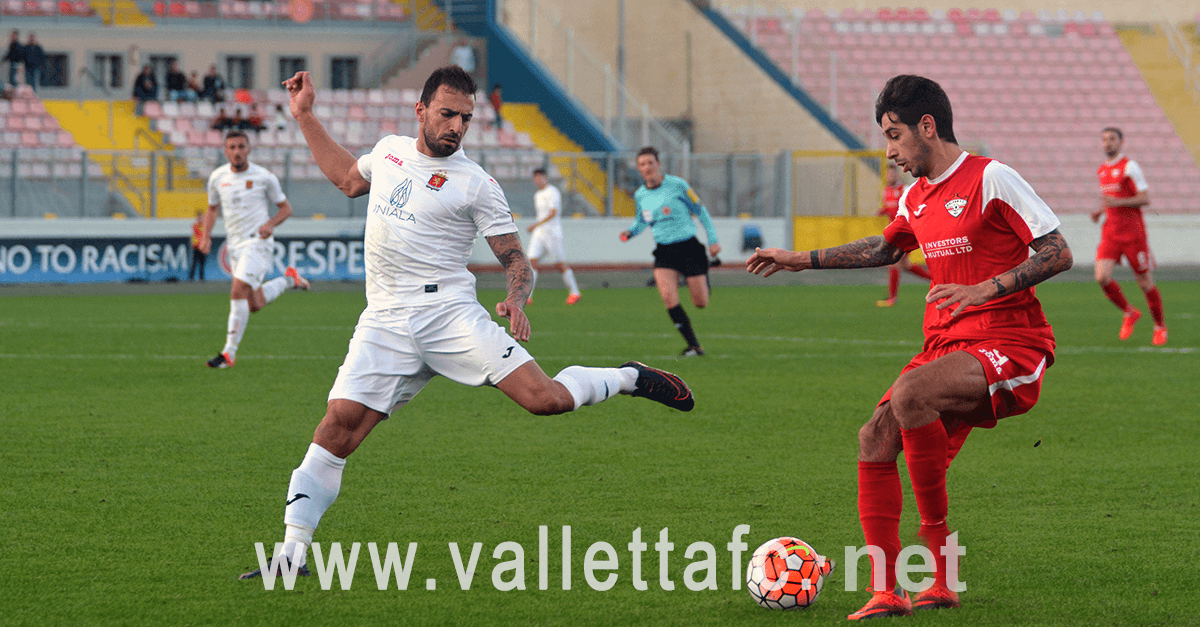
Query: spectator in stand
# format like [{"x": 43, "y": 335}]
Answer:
[
  {"x": 176, "y": 83},
  {"x": 145, "y": 87},
  {"x": 256, "y": 119},
  {"x": 463, "y": 56},
  {"x": 35, "y": 60},
  {"x": 279, "y": 121},
  {"x": 193, "y": 86},
  {"x": 223, "y": 121},
  {"x": 239, "y": 121},
  {"x": 497, "y": 102},
  {"x": 15, "y": 56},
  {"x": 214, "y": 86}
]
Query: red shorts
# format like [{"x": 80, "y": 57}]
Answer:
[
  {"x": 1014, "y": 374},
  {"x": 1137, "y": 252}
]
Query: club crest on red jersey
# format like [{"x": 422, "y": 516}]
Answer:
[
  {"x": 436, "y": 181},
  {"x": 956, "y": 206}
]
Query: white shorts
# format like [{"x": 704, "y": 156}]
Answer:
[
  {"x": 251, "y": 263},
  {"x": 543, "y": 243},
  {"x": 395, "y": 352}
]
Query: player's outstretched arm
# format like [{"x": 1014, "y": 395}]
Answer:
[
  {"x": 869, "y": 252},
  {"x": 507, "y": 249},
  {"x": 1051, "y": 256},
  {"x": 336, "y": 163}
]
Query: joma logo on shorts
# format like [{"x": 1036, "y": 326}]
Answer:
[{"x": 996, "y": 358}]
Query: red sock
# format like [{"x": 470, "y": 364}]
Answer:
[
  {"x": 893, "y": 282},
  {"x": 1113, "y": 291},
  {"x": 1154, "y": 299},
  {"x": 926, "y": 450},
  {"x": 920, "y": 270},
  {"x": 880, "y": 500}
]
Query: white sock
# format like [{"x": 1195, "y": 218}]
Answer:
[
  {"x": 239, "y": 315},
  {"x": 589, "y": 386},
  {"x": 273, "y": 288},
  {"x": 533, "y": 283},
  {"x": 569, "y": 279},
  {"x": 314, "y": 487}
]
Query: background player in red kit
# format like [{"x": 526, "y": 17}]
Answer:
[
  {"x": 891, "y": 202},
  {"x": 987, "y": 342},
  {"x": 1123, "y": 193}
]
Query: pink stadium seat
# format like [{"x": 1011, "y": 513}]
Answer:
[
  {"x": 152, "y": 109},
  {"x": 29, "y": 139}
]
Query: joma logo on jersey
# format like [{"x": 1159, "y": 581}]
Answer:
[
  {"x": 996, "y": 358},
  {"x": 956, "y": 206},
  {"x": 394, "y": 159},
  {"x": 436, "y": 181}
]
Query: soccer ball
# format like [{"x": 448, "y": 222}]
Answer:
[{"x": 786, "y": 574}]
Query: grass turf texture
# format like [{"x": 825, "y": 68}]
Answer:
[{"x": 136, "y": 481}]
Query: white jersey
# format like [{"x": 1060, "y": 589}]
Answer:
[
  {"x": 424, "y": 217},
  {"x": 544, "y": 201},
  {"x": 244, "y": 197}
]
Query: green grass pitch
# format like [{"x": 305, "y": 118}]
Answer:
[{"x": 136, "y": 481}]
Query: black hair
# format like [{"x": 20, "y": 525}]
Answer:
[
  {"x": 910, "y": 98},
  {"x": 1113, "y": 129},
  {"x": 451, "y": 76},
  {"x": 649, "y": 150},
  {"x": 538, "y": 171},
  {"x": 235, "y": 133}
]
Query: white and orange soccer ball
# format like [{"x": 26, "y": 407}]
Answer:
[{"x": 786, "y": 574}]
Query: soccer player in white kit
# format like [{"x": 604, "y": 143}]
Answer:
[
  {"x": 428, "y": 203},
  {"x": 240, "y": 191},
  {"x": 547, "y": 236}
]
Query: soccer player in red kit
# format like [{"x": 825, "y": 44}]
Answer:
[
  {"x": 987, "y": 342},
  {"x": 1123, "y": 193},
  {"x": 891, "y": 203}
]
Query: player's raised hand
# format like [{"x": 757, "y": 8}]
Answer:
[
  {"x": 300, "y": 93},
  {"x": 961, "y": 295},
  {"x": 768, "y": 261},
  {"x": 518, "y": 324}
]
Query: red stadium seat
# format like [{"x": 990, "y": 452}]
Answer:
[{"x": 160, "y": 8}]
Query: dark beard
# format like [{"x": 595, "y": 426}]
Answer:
[
  {"x": 920, "y": 162},
  {"x": 437, "y": 148}
]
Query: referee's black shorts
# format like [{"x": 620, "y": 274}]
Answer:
[{"x": 687, "y": 257}]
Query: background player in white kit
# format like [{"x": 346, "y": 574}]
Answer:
[
  {"x": 240, "y": 190},
  {"x": 428, "y": 204},
  {"x": 547, "y": 236}
]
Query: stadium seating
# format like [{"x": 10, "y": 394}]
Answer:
[
  {"x": 47, "y": 8},
  {"x": 317, "y": 10},
  {"x": 355, "y": 118},
  {"x": 1030, "y": 90}
]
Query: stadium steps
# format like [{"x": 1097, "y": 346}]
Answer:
[
  {"x": 88, "y": 124},
  {"x": 1166, "y": 78},
  {"x": 429, "y": 16},
  {"x": 120, "y": 13},
  {"x": 584, "y": 176}
]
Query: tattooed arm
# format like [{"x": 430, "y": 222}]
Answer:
[
  {"x": 1051, "y": 256},
  {"x": 507, "y": 249},
  {"x": 869, "y": 252}
]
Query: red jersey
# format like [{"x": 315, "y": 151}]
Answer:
[
  {"x": 973, "y": 223},
  {"x": 891, "y": 200},
  {"x": 1122, "y": 178}
]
